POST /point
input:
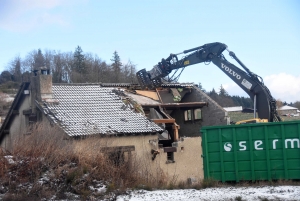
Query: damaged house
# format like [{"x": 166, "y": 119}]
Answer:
[{"x": 161, "y": 126}]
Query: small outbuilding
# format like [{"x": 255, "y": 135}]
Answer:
[{"x": 287, "y": 110}]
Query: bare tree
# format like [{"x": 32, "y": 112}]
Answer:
[
  {"x": 28, "y": 62},
  {"x": 57, "y": 69},
  {"x": 129, "y": 72},
  {"x": 105, "y": 72},
  {"x": 15, "y": 69},
  {"x": 279, "y": 103},
  {"x": 71, "y": 67},
  {"x": 49, "y": 57},
  {"x": 67, "y": 60},
  {"x": 91, "y": 72},
  {"x": 62, "y": 67}
]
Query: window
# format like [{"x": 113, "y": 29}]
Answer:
[
  {"x": 197, "y": 114},
  {"x": 170, "y": 157},
  {"x": 188, "y": 115},
  {"x": 192, "y": 114},
  {"x": 119, "y": 155}
]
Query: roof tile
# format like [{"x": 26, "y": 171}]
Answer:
[{"x": 91, "y": 109}]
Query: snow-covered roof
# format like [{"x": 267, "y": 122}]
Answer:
[
  {"x": 286, "y": 107},
  {"x": 233, "y": 109},
  {"x": 92, "y": 109}
]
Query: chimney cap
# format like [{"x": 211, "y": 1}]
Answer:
[
  {"x": 41, "y": 70},
  {"x": 44, "y": 68}
]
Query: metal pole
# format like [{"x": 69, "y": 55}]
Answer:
[{"x": 254, "y": 106}]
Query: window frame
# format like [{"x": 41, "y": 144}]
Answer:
[
  {"x": 170, "y": 157},
  {"x": 190, "y": 114}
]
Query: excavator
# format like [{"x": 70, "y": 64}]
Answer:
[{"x": 251, "y": 83}]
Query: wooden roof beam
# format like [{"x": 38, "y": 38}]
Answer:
[
  {"x": 177, "y": 105},
  {"x": 165, "y": 121}
]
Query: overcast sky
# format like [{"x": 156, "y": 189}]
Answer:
[{"x": 265, "y": 35}]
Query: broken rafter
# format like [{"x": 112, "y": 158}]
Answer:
[
  {"x": 176, "y": 94},
  {"x": 165, "y": 121}
]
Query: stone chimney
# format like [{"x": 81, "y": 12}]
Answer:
[{"x": 41, "y": 84}]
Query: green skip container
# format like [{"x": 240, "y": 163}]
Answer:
[{"x": 261, "y": 151}]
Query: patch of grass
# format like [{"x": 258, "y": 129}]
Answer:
[
  {"x": 144, "y": 187},
  {"x": 182, "y": 185},
  {"x": 111, "y": 187},
  {"x": 84, "y": 193},
  {"x": 197, "y": 186},
  {"x": 171, "y": 186},
  {"x": 68, "y": 165},
  {"x": 71, "y": 176},
  {"x": 17, "y": 197},
  {"x": 208, "y": 183},
  {"x": 85, "y": 169}
]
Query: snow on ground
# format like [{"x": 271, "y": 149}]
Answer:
[{"x": 225, "y": 193}]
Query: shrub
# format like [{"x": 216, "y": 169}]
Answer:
[
  {"x": 46, "y": 157},
  {"x": 208, "y": 183}
]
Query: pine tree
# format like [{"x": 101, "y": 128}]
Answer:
[
  {"x": 79, "y": 60},
  {"x": 214, "y": 95},
  {"x": 213, "y": 92},
  {"x": 201, "y": 88},
  {"x": 15, "y": 69},
  {"x": 79, "y": 65},
  {"x": 39, "y": 60},
  {"x": 116, "y": 66},
  {"x": 222, "y": 91},
  {"x": 17, "y": 73}
]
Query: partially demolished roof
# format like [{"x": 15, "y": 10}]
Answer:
[
  {"x": 165, "y": 85},
  {"x": 179, "y": 85},
  {"x": 142, "y": 100},
  {"x": 92, "y": 109}
]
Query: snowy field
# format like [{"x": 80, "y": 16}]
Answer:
[{"x": 265, "y": 193}]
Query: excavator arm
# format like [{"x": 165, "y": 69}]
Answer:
[{"x": 251, "y": 83}]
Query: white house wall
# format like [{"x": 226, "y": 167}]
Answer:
[
  {"x": 18, "y": 124},
  {"x": 187, "y": 159}
]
